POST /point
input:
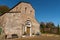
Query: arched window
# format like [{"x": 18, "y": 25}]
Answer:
[
  {"x": 28, "y": 23},
  {"x": 20, "y": 10},
  {"x": 25, "y": 9},
  {"x": 30, "y": 11}
]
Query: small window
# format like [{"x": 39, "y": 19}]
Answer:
[
  {"x": 14, "y": 36},
  {"x": 30, "y": 11},
  {"x": 20, "y": 10},
  {"x": 28, "y": 22},
  {"x": 25, "y": 9}
]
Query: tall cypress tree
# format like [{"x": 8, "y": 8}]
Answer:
[{"x": 58, "y": 28}]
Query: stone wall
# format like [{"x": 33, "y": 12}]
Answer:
[{"x": 14, "y": 21}]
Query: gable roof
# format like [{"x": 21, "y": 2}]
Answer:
[{"x": 15, "y": 6}]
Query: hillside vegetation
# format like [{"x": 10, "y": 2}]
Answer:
[{"x": 3, "y": 9}]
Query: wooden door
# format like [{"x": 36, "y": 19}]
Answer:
[{"x": 28, "y": 30}]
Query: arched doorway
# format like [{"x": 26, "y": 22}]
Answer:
[{"x": 28, "y": 27}]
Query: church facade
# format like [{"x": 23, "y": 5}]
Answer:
[{"x": 20, "y": 20}]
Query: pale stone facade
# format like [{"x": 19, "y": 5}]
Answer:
[{"x": 19, "y": 20}]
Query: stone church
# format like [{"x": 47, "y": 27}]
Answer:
[{"x": 20, "y": 20}]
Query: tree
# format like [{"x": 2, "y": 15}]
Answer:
[
  {"x": 58, "y": 29},
  {"x": 3, "y": 9},
  {"x": 42, "y": 26},
  {"x": 50, "y": 25}
]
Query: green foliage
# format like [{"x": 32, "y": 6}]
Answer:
[
  {"x": 50, "y": 25},
  {"x": 0, "y": 12},
  {"x": 3, "y": 9},
  {"x": 49, "y": 28},
  {"x": 58, "y": 29},
  {"x": 0, "y": 30},
  {"x": 42, "y": 25}
]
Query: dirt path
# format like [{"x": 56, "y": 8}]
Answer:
[{"x": 41, "y": 37}]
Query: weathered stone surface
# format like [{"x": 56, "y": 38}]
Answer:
[{"x": 14, "y": 21}]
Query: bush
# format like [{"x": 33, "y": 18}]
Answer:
[{"x": 0, "y": 30}]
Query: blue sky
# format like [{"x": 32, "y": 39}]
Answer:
[{"x": 45, "y": 10}]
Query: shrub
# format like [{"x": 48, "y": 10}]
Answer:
[{"x": 0, "y": 30}]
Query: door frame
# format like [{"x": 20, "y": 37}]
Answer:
[{"x": 30, "y": 31}]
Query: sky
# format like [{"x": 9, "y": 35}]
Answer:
[{"x": 45, "y": 10}]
